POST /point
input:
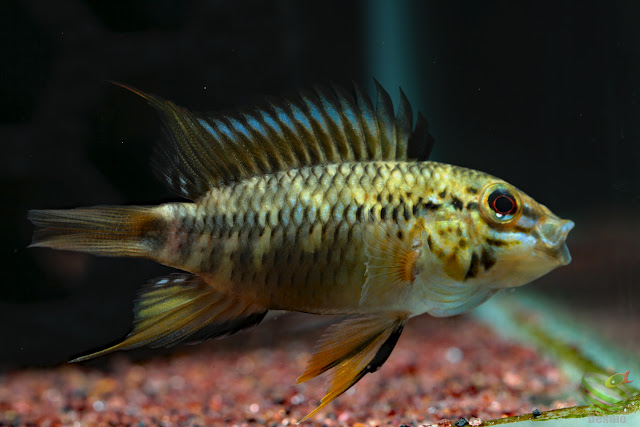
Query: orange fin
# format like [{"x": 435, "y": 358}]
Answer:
[
  {"x": 391, "y": 265},
  {"x": 354, "y": 348},
  {"x": 183, "y": 308}
]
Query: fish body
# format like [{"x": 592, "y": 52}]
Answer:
[{"x": 313, "y": 204}]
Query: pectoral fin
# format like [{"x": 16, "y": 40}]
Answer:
[
  {"x": 392, "y": 261},
  {"x": 354, "y": 348}
]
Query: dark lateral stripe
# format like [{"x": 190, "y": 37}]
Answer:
[
  {"x": 520, "y": 229},
  {"x": 496, "y": 242}
]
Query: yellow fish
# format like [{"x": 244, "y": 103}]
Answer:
[{"x": 319, "y": 203}]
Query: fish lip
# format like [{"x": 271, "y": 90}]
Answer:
[{"x": 552, "y": 234}]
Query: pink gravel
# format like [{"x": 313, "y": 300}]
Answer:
[{"x": 441, "y": 370}]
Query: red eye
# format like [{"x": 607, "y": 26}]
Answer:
[{"x": 502, "y": 203}]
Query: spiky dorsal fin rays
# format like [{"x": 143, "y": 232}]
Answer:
[
  {"x": 326, "y": 125},
  {"x": 352, "y": 348},
  {"x": 183, "y": 308}
]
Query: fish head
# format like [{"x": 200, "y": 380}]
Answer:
[{"x": 519, "y": 239}]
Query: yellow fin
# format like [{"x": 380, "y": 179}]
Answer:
[
  {"x": 183, "y": 308},
  {"x": 391, "y": 264},
  {"x": 325, "y": 125},
  {"x": 354, "y": 348}
]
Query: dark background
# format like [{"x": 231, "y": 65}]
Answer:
[{"x": 542, "y": 94}]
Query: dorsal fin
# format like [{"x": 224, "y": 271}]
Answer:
[{"x": 320, "y": 126}]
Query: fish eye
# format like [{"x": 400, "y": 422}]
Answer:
[{"x": 501, "y": 203}]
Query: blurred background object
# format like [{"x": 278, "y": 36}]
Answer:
[{"x": 544, "y": 95}]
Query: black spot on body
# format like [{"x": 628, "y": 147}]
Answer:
[
  {"x": 472, "y": 206},
  {"x": 457, "y": 203},
  {"x": 407, "y": 212},
  {"x": 430, "y": 242},
  {"x": 394, "y": 214},
  {"x": 474, "y": 267},
  {"x": 472, "y": 190},
  {"x": 400, "y": 234},
  {"x": 487, "y": 259},
  {"x": 442, "y": 194},
  {"x": 325, "y": 230},
  {"x": 383, "y": 213},
  {"x": 336, "y": 233},
  {"x": 379, "y": 198},
  {"x": 245, "y": 254},
  {"x": 414, "y": 210},
  {"x": 430, "y": 206},
  {"x": 390, "y": 198},
  {"x": 359, "y": 215},
  {"x": 463, "y": 244}
]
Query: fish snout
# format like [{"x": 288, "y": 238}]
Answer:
[{"x": 552, "y": 234}]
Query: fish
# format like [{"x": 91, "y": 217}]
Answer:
[
  {"x": 319, "y": 202},
  {"x": 617, "y": 379}
]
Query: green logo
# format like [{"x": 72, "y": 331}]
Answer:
[{"x": 606, "y": 392}]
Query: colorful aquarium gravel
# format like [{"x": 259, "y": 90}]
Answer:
[{"x": 449, "y": 369}]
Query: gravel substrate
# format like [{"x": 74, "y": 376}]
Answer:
[{"x": 441, "y": 370}]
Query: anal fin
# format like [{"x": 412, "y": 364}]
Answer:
[
  {"x": 354, "y": 348},
  {"x": 183, "y": 308}
]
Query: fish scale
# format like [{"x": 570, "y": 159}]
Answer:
[
  {"x": 314, "y": 204},
  {"x": 335, "y": 204}
]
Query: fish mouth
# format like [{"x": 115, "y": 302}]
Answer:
[{"x": 552, "y": 235}]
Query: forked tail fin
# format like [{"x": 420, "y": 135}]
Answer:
[{"x": 133, "y": 231}]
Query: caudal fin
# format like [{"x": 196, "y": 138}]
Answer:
[
  {"x": 183, "y": 308},
  {"x": 100, "y": 230}
]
